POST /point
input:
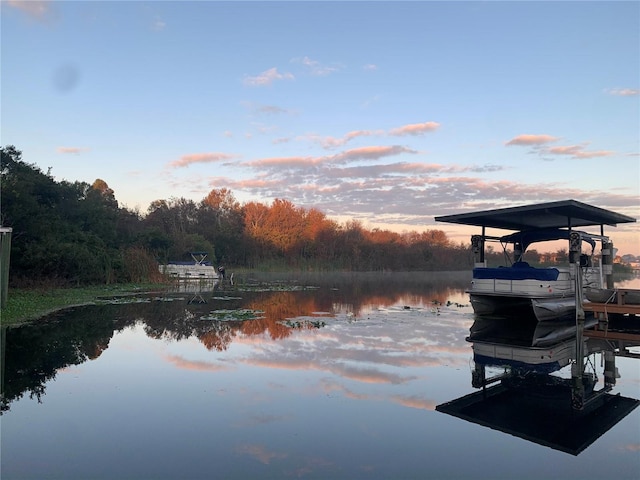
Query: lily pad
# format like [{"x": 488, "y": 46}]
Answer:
[{"x": 233, "y": 315}]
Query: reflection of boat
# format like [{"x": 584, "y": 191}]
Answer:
[
  {"x": 566, "y": 414},
  {"x": 537, "y": 408},
  {"x": 199, "y": 268},
  {"x": 541, "y": 347},
  {"x": 549, "y": 292}
]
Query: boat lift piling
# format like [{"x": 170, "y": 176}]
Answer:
[
  {"x": 577, "y": 367},
  {"x": 607, "y": 263},
  {"x": 477, "y": 247}
]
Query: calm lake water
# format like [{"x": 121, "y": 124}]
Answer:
[{"x": 343, "y": 376}]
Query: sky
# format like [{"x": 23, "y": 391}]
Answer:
[{"x": 389, "y": 113}]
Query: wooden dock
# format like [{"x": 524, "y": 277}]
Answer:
[
  {"x": 622, "y": 304},
  {"x": 625, "y": 305}
]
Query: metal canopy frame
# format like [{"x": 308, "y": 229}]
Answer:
[{"x": 562, "y": 214}]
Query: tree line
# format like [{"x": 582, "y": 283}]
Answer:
[{"x": 76, "y": 233}]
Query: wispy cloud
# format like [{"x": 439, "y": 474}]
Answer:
[
  {"x": 71, "y": 150},
  {"x": 529, "y": 140},
  {"x": 267, "y": 78},
  {"x": 35, "y": 9},
  {"x": 415, "y": 129},
  {"x": 158, "y": 24},
  {"x": 370, "y": 67},
  {"x": 187, "y": 160},
  {"x": 539, "y": 143},
  {"x": 352, "y": 155},
  {"x": 371, "y": 153},
  {"x": 410, "y": 129},
  {"x": 314, "y": 67},
  {"x": 285, "y": 162},
  {"x": 577, "y": 151},
  {"x": 624, "y": 92}
]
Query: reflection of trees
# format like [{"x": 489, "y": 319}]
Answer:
[
  {"x": 355, "y": 291},
  {"x": 34, "y": 353},
  {"x": 218, "y": 337},
  {"x": 280, "y": 306}
]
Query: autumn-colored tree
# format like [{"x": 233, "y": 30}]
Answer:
[{"x": 220, "y": 220}]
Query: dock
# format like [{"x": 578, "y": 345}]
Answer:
[{"x": 621, "y": 305}]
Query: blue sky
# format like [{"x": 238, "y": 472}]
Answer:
[{"x": 389, "y": 113}]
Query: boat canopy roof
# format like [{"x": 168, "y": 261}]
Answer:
[
  {"x": 562, "y": 214},
  {"x": 526, "y": 238}
]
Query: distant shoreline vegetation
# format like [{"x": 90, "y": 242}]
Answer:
[{"x": 75, "y": 234}]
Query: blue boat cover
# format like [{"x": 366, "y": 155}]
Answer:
[{"x": 519, "y": 271}]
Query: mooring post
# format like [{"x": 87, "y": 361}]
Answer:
[
  {"x": 577, "y": 368},
  {"x": 5, "y": 256},
  {"x": 3, "y": 346},
  {"x": 477, "y": 247},
  {"x": 607, "y": 263},
  {"x": 609, "y": 368}
]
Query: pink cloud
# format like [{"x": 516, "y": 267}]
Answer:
[
  {"x": 285, "y": 162},
  {"x": 36, "y": 9},
  {"x": 415, "y": 129},
  {"x": 254, "y": 183},
  {"x": 624, "y": 92},
  {"x": 187, "y": 160},
  {"x": 531, "y": 140},
  {"x": 71, "y": 150},
  {"x": 331, "y": 142},
  {"x": 577, "y": 151},
  {"x": 371, "y": 153},
  {"x": 267, "y": 78}
]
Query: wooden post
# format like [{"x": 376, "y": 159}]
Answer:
[{"x": 5, "y": 255}]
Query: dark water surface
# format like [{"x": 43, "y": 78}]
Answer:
[{"x": 319, "y": 377}]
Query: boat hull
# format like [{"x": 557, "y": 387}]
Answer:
[
  {"x": 543, "y": 309},
  {"x": 189, "y": 272},
  {"x": 499, "y": 305}
]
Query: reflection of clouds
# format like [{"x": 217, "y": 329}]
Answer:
[
  {"x": 184, "y": 364},
  {"x": 387, "y": 348},
  {"x": 262, "y": 419},
  {"x": 631, "y": 447},
  {"x": 260, "y": 453},
  {"x": 370, "y": 375},
  {"x": 330, "y": 386},
  {"x": 415, "y": 402}
]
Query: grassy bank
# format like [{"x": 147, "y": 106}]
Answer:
[{"x": 25, "y": 305}]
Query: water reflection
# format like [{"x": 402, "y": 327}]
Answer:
[
  {"x": 518, "y": 365},
  {"x": 219, "y": 314},
  {"x": 335, "y": 377}
]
